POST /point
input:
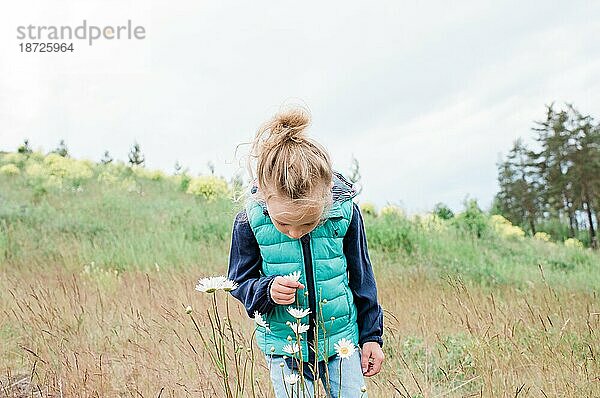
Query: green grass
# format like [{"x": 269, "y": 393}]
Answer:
[
  {"x": 112, "y": 227},
  {"x": 159, "y": 224}
]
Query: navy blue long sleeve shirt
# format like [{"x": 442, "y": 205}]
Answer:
[{"x": 253, "y": 288}]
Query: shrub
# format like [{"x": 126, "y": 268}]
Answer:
[
  {"x": 504, "y": 228},
  {"x": 17, "y": 159},
  {"x": 368, "y": 208},
  {"x": 443, "y": 211},
  {"x": 556, "y": 228},
  {"x": 392, "y": 210},
  {"x": 430, "y": 222},
  {"x": 75, "y": 170},
  {"x": 391, "y": 232},
  {"x": 9, "y": 170},
  {"x": 154, "y": 175},
  {"x": 36, "y": 170},
  {"x": 107, "y": 177},
  {"x": 472, "y": 220},
  {"x": 572, "y": 242},
  {"x": 542, "y": 236},
  {"x": 208, "y": 187},
  {"x": 184, "y": 181}
]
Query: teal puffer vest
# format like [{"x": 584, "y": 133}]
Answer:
[{"x": 336, "y": 311}]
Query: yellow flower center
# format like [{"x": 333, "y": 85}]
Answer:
[{"x": 344, "y": 350}]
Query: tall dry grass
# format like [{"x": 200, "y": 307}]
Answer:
[{"x": 101, "y": 334}]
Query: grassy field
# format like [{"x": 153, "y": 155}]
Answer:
[{"x": 95, "y": 281}]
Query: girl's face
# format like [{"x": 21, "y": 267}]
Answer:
[{"x": 293, "y": 221}]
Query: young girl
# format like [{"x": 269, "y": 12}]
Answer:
[{"x": 299, "y": 255}]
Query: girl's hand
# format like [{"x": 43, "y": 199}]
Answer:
[
  {"x": 283, "y": 291},
  {"x": 371, "y": 358}
]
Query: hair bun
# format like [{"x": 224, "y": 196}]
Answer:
[
  {"x": 289, "y": 163},
  {"x": 290, "y": 124}
]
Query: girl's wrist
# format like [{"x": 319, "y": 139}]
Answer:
[
  {"x": 373, "y": 339},
  {"x": 269, "y": 298}
]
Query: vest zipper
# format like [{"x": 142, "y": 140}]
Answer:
[{"x": 311, "y": 286}]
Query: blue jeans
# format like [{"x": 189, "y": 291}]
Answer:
[{"x": 352, "y": 377}]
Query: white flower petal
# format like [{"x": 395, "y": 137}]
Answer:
[
  {"x": 299, "y": 328},
  {"x": 291, "y": 348},
  {"x": 294, "y": 276},
  {"x": 214, "y": 283},
  {"x": 344, "y": 348},
  {"x": 260, "y": 321},
  {"x": 229, "y": 285},
  {"x": 298, "y": 313},
  {"x": 292, "y": 378}
]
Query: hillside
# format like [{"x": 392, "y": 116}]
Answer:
[
  {"x": 98, "y": 265},
  {"x": 74, "y": 213}
]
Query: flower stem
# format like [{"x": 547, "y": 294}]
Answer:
[
  {"x": 340, "y": 387},
  {"x": 238, "y": 386},
  {"x": 252, "y": 362}
]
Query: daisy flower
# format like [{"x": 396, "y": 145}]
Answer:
[
  {"x": 210, "y": 284},
  {"x": 229, "y": 285},
  {"x": 292, "y": 378},
  {"x": 299, "y": 328},
  {"x": 298, "y": 313},
  {"x": 214, "y": 283},
  {"x": 344, "y": 348},
  {"x": 260, "y": 321},
  {"x": 291, "y": 348},
  {"x": 294, "y": 276}
]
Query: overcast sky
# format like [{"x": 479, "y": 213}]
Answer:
[{"x": 426, "y": 95}]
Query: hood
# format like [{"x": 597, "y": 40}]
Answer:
[
  {"x": 342, "y": 188},
  {"x": 342, "y": 191}
]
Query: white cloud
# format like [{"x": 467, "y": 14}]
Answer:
[{"x": 424, "y": 95}]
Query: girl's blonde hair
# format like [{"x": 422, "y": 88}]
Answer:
[{"x": 289, "y": 164}]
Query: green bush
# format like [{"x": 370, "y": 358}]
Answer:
[
  {"x": 9, "y": 170},
  {"x": 443, "y": 211},
  {"x": 208, "y": 187},
  {"x": 368, "y": 208},
  {"x": 472, "y": 220},
  {"x": 391, "y": 231}
]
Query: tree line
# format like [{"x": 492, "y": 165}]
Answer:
[
  {"x": 135, "y": 158},
  {"x": 557, "y": 184}
]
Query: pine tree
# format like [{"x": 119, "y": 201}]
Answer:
[
  {"x": 355, "y": 176},
  {"x": 24, "y": 148},
  {"x": 584, "y": 155},
  {"x": 178, "y": 167},
  {"x": 519, "y": 183},
  {"x": 106, "y": 159},
  {"x": 61, "y": 150},
  {"x": 561, "y": 181},
  {"x": 135, "y": 155},
  {"x": 553, "y": 166}
]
